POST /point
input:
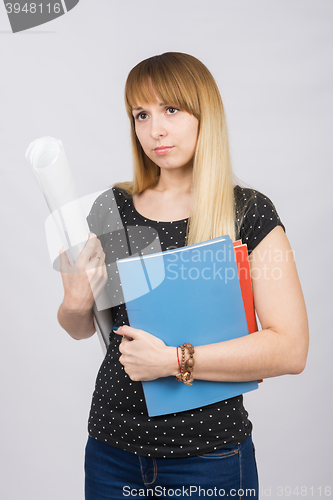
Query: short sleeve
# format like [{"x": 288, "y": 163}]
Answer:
[
  {"x": 94, "y": 216},
  {"x": 105, "y": 221},
  {"x": 104, "y": 217},
  {"x": 100, "y": 211},
  {"x": 256, "y": 216}
]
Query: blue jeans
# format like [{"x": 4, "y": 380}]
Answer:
[{"x": 230, "y": 472}]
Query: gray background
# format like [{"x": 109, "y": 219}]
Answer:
[{"x": 273, "y": 64}]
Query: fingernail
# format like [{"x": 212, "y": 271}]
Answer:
[{"x": 115, "y": 328}]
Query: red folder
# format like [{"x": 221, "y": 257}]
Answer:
[{"x": 244, "y": 275}]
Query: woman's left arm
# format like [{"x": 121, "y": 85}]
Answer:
[{"x": 279, "y": 348}]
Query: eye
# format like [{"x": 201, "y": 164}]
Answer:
[
  {"x": 141, "y": 116},
  {"x": 172, "y": 111}
]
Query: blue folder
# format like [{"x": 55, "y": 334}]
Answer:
[{"x": 191, "y": 294}]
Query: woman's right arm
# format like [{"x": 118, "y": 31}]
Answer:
[{"x": 83, "y": 282}]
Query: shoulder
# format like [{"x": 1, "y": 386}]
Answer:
[
  {"x": 121, "y": 196},
  {"x": 250, "y": 199},
  {"x": 106, "y": 207},
  {"x": 99, "y": 208},
  {"x": 256, "y": 216}
]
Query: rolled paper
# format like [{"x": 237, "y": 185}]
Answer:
[{"x": 50, "y": 166}]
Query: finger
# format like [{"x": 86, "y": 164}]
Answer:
[
  {"x": 98, "y": 250},
  {"x": 98, "y": 259},
  {"x": 123, "y": 344},
  {"x": 92, "y": 254},
  {"x": 129, "y": 332},
  {"x": 95, "y": 260},
  {"x": 102, "y": 258},
  {"x": 94, "y": 244},
  {"x": 65, "y": 265},
  {"x": 89, "y": 248}
]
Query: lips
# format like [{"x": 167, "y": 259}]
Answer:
[{"x": 162, "y": 150}]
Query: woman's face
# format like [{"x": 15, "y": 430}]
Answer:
[{"x": 167, "y": 135}]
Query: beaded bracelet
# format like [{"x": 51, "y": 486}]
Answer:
[{"x": 186, "y": 367}]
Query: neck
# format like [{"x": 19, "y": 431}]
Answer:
[{"x": 175, "y": 181}]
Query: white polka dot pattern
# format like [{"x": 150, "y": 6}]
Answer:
[{"x": 118, "y": 414}]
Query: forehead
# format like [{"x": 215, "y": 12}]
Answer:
[
  {"x": 139, "y": 107},
  {"x": 142, "y": 91},
  {"x": 144, "y": 94}
]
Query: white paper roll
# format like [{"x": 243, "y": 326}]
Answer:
[{"x": 50, "y": 166}]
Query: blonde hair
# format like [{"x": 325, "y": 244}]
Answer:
[{"x": 183, "y": 81}]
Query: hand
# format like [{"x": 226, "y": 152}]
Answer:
[
  {"x": 84, "y": 281},
  {"x": 144, "y": 356}
]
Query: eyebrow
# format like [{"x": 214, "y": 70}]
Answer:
[{"x": 140, "y": 109}]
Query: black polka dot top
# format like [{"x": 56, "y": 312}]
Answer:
[{"x": 118, "y": 414}]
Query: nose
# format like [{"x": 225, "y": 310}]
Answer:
[{"x": 157, "y": 128}]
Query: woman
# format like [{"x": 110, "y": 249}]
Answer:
[{"x": 182, "y": 189}]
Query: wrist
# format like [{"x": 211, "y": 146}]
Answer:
[
  {"x": 186, "y": 363},
  {"x": 171, "y": 365},
  {"x": 77, "y": 325},
  {"x": 70, "y": 306}
]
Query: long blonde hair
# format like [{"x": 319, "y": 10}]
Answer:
[{"x": 183, "y": 81}]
